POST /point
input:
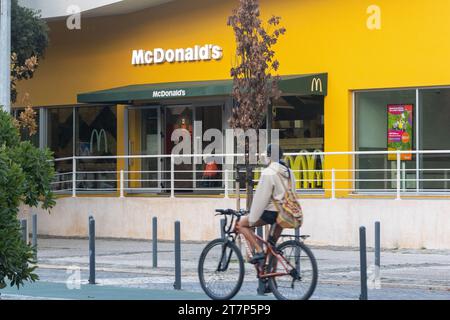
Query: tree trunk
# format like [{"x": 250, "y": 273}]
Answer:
[{"x": 248, "y": 176}]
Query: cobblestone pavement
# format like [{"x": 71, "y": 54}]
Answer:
[{"x": 127, "y": 265}]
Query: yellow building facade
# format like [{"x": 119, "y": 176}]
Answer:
[{"x": 399, "y": 49}]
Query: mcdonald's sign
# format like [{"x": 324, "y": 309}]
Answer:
[
  {"x": 316, "y": 85},
  {"x": 97, "y": 137}
]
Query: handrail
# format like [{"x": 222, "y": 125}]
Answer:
[{"x": 312, "y": 174}]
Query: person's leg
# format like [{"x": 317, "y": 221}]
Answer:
[
  {"x": 277, "y": 233},
  {"x": 249, "y": 234}
]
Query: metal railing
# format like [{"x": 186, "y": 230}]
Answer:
[{"x": 328, "y": 174}]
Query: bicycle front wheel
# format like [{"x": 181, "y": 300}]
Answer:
[
  {"x": 221, "y": 270},
  {"x": 300, "y": 274}
]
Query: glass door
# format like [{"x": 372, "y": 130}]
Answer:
[
  {"x": 145, "y": 139},
  {"x": 208, "y": 174},
  {"x": 179, "y": 117},
  {"x": 151, "y": 145}
]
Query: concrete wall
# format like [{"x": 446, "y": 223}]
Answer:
[{"x": 405, "y": 224}]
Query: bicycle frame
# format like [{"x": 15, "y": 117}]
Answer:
[{"x": 270, "y": 251}]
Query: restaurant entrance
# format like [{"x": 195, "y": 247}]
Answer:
[
  {"x": 179, "y": 122},
  {"x": 153, "y": 117},
  {"x": 145, "y": 139},
  {"x": 191, "y": 122}
]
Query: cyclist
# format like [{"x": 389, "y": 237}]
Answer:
[{"x": 272, "y": 184}]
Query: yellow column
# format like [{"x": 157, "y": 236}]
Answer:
[{"x": 134, "y": 125}]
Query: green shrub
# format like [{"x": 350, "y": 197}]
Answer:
[{"x": 26, "y": 173}]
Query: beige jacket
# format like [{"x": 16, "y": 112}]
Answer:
[{"x": 270, "y": 183}]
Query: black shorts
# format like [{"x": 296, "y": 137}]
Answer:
[{"x": 269, "y": 217}]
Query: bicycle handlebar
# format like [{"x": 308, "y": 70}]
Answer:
[
  {"x": 231, "y": 212},
  {"x": 235, "y": 216}
]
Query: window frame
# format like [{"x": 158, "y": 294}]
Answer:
[{"x": 417, "y": 124}]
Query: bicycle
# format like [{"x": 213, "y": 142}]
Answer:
[{"x": 286, "y": 267}]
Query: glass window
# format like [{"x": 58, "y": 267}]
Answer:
[
  {"x": 60, "y": 131},
  {"x": 60, "y": 141},
  {"x": 435, "y": 135},
  {"x": 378, "y": 171},
  {"x": 300, "y": 121},
  {"x": 96, "y": 136}
]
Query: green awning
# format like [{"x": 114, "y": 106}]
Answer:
[{"x": 298, "y": 85}]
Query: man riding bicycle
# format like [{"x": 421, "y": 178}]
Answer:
[{"x": 271, "y": 186}]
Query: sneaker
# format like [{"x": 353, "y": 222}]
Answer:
[{"x": 257, "y": 258}]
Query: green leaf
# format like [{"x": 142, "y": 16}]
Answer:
[{"x": 26, "y": 173}]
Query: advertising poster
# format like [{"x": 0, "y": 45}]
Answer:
[{"x": 400, "y": 130}]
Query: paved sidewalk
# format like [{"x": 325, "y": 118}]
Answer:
[
  {"x": 129, "y": 287},
  {"x": 124, "y": 271},
  {"x": 58, "y": 291}
]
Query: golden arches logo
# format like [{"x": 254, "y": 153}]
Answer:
[
  {"x": 307, "y": 170},
  {"x": 316, "y": 85},
  {"x": 98, "y": 138}
]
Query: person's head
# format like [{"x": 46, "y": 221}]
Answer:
[{"x": 274, "y": 152}]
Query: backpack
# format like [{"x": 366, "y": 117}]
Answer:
[{"x": 290, "y": 213}]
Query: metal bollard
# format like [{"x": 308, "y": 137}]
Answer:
[
  {"x": 155, "y": 242},
  {"x": 377, "y": 255},
  {"x": 377, "y": 244},
  {"x": 24, "y": 228},
  {"x": 91, "y": 250},
  {"x": 363, "y": 263},
  {"x": 297, "y": 251},
  {"x": 34, "y": 231},
  {"x": 177, "y": 284}
]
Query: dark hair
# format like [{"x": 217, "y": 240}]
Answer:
[{"x": 273, "y": 148}]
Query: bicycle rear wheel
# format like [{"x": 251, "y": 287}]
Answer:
[
  {"x": 301, "y": 281},
  {"x": 221, "y": 270}
]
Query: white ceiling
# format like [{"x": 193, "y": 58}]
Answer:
[{"x": 51, "y": 9}]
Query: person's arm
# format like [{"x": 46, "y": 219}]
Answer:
[
  {"x": 261, "y": 198},
  {"x": 293, "y": 181}
]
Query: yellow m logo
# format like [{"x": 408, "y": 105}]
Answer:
[
  {"x": 98, "y": 138},
  {"x": 307, "y": 170},
  {"x": 316, "y": 85}
]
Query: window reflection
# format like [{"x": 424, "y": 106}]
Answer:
[{"x": 96, "y": 136}]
